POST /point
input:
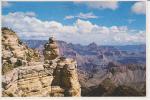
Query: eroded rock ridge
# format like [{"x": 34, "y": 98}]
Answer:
[{"x": 57, "y": 76}]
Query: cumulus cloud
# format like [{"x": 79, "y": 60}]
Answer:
[
  {"x": 83, "y": 32},
  {"x": 113, "y": 5},
  {"x": 82, "y": 16},
  {"x": 30, "y": 14},
  {"x": 139, "y": 8},
  {"x": 6, "y": 4}
]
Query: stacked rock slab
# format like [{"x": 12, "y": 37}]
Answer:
[
  {"x": 51, "y": 50},
  {"x": 56, "y": 77},
  {"x": 64, "y": 71}
]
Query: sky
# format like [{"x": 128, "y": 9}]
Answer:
[{"x": 105, "y": 23}]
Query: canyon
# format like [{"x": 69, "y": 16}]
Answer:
[{"x": 56, "y": 68}]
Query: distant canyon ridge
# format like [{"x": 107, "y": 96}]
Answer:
[{"x": 123, "y": 66}]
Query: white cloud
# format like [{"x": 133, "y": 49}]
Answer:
[
  {"x": 84, "y": 27},
  {"x": 30, "y": 14},
  {"x": 113, "y": 5},
  {"x": 86, "y": 15},
  {"x": 83, "y": 32},
  {"x": 69, "y": 17},
  {"x": 82, "y": 16},
  {"x": 139, "y": 8},
  {"x": 130, "y": 21},
  {"x": 6, "y": 4}
]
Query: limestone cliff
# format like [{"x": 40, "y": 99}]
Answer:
[{"x": 56, "y": 77}]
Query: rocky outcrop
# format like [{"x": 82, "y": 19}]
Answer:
[
  {"x": 64, "y": 71},
  {"x": 27, "y": 81},
  {"x": 57, "y": 76},
  {"x": 14, "y": 52}
]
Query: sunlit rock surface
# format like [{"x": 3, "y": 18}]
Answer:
[{"x": 57, "y": 76}]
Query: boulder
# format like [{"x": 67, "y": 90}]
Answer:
[{"x": 51, "y": 50}]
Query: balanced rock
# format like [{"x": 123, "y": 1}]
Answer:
[
  {"x": 64, "y": 71},
  {"x": 51, "y": 50}
]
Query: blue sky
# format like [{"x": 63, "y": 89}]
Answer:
[
  {"x": 58, "y": 10},
  {"x": 119, "y": 14}
]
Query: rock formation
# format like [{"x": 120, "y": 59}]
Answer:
[
  {"x": 51, "y": 49},
  {"x": 64, "y": 71},
  {"x": 14, "y": 52},
  {"x": 56, "y": 77}
]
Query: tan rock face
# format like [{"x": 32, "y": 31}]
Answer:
[
  {"x": 52, "y": 79},
  {"x": 56, "y": 77},
  {"x": 65, "y": 79},
  {"x": 28, "y": 81},
  {"x": 14, "y": 52}
]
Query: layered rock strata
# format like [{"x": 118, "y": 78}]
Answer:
[
  {"x": 64, "y": 71},
  {"x": 14, "y": 52},
  {"x": 56, "y": 77}
]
